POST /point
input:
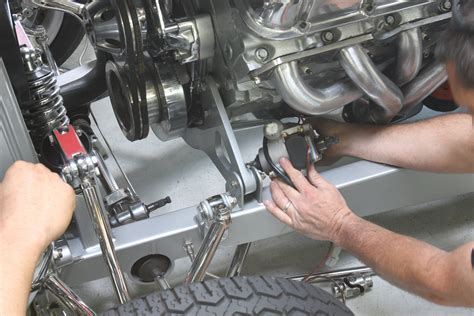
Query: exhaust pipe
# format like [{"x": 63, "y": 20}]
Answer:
[
  {"x": 308, "y": 100},
  {"x": 428, "y": 81},
  {"x": 365, "y": 75},
  {"x": 410, "y": 56}
]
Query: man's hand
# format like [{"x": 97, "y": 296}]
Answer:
[
  {"x": 317, "y": 209},
  {"x": 36, "y": 206},
  {"x": 326, "y": 128}
]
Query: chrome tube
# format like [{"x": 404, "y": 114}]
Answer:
[
  {"x": 238, "y": 260},
  {"x": 427, "y": 81},
  {"x": 209, "y": 246},
  {"x": 59, "y": 289},
  {"x": 334, "y": 274},
  {"x": 308, "y": 100},
  {"x": 365, "y": 75},
  {"x": 106, "y": 177},
  {"x": 410, "y": 56},
  {"x": 162, "y": 282},
  {"x": 106, "y": 243}
]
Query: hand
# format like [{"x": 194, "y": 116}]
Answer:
[
  {"x": 317, "y": 209},
  {"x": 36, "y": 206},
  {"x": 326, "y": 127}
]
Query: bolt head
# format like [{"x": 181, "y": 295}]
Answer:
[
  {"x": 390, "y": 19},
  {"x": 328, "y": 36},
  {"x": 261, "y": 54},
  {"x": 447, "y": 5}
]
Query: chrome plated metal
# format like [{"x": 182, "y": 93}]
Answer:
[
  {"x": 162, "y": 283},
  {"x": 322, "y": 277},
  {"x": 308, "y": 100},
  {"x": 410, "y": 56},
  {"x": 106, "y": 176},
  {"x": 380, "y": 89},
  {"x": 352, "y": 286},
  {"x": 45, "y": 111},
  {"x": 64, "y": 293},
  {"x": 192, "y": 39},
  {"x": 221, "y": 207},
  {"x": 42, "y": 38},
  {"x": 240, "y": 255},
  {"x": 106, "y": 243},
  {"x": 169, "y": 119}
]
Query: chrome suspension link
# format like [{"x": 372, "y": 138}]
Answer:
[
  {"x": 214, "y": 216},
  {"x": 80, "y": 172}
]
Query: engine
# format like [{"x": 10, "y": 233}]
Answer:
[
  {"x": 201, "y": 70},
  {"x": 371, "y": 61}
]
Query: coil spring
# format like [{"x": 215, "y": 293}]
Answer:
[{"x": 45, "y": 110}]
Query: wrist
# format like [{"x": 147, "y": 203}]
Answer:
[
  {"x": 16, "y": 242},
  {"x": 346, "y": 228}
]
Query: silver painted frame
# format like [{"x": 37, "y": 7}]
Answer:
[{"x": 369, "y": 188}]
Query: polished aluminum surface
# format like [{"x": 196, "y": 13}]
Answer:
[
  {"x": 308, "y": 100},
  {"x": 428, "y": 80},
  {"x": 380, "y": 89},
  {"x": 410, "y": 56},
  {"x": 280, "y": 14}
]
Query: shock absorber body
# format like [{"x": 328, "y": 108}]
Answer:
[{"x": 44, "y": 112}]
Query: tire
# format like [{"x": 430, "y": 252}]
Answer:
[{"x": 257, "y": 295}]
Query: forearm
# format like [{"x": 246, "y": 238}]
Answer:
[
  {"x": 410, "y": 264},
  {"x": 17, "y": 264},
  {"x": 441, "y": 144}
]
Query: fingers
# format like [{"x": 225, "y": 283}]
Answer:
[
  {"x": 277, "y": 212},
  {"x": 296, "y": 176},
  {"x": 278, "y": 195},
  {"x": 290, "y": 192},
  {"x": 314, "y": 177}
]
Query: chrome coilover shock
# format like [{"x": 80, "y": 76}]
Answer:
[{"x": 45, "y": 110}]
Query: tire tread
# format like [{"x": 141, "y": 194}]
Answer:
[{"x": 256, "y": 295}]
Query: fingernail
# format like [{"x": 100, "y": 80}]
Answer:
[
  {"x": 266, "y": 202},
  {"x": 283, "y": 160}
]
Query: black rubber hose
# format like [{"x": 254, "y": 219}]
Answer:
[
  {"x": 84, "y": 84},
  {"x": 280, "y": 173}
]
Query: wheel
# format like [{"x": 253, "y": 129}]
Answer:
[{"x": 256, "y": 295}]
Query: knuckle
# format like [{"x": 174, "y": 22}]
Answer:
[{"x": 20, "y": 165}]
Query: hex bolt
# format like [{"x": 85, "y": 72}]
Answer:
[
  {"x": 261, "y": 54},
  {"x": 327, "y": 37},
  {"x": 446, "y": 5},
  {"x": 390, "y": 19},
  {"x": 27, "y": 12},
  {"x": 303, "y": 26}
]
